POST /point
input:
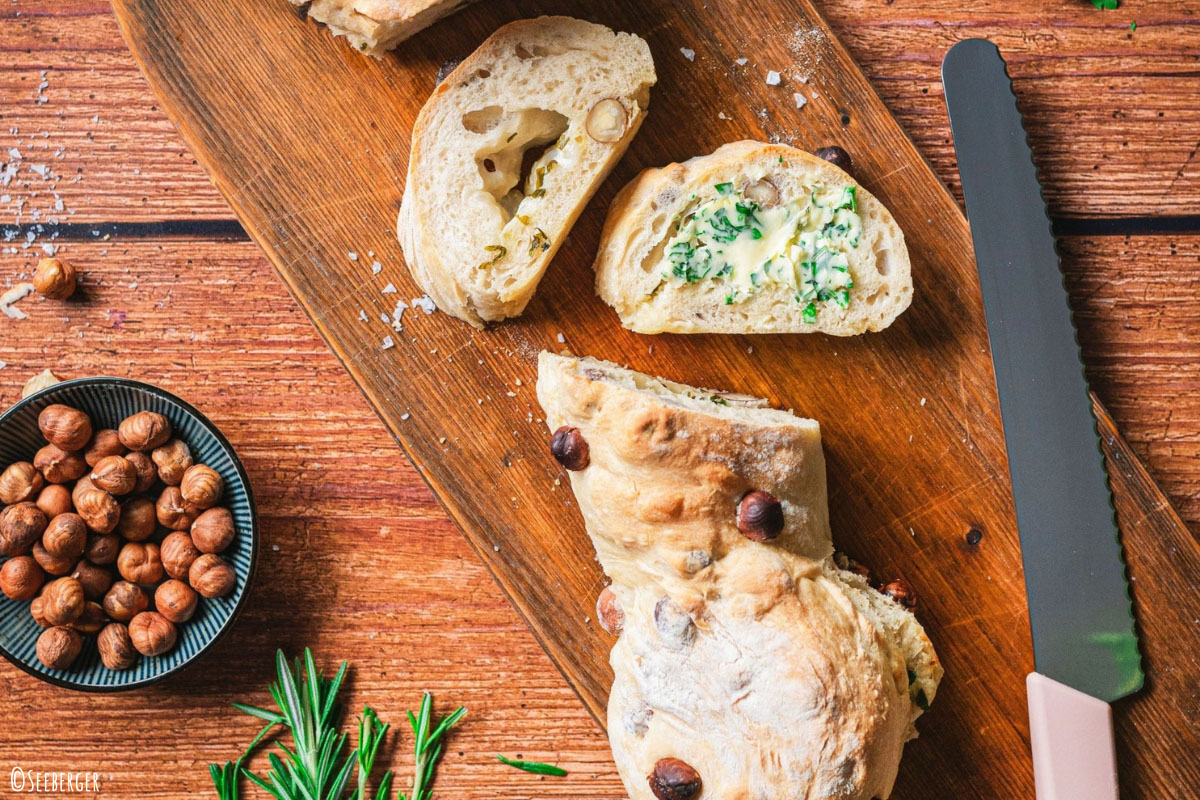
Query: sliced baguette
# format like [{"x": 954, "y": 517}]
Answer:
[
  {"x": 635, "y": 274},
  {"x": 481, "y": 217},
  {"x": 376, "y": 26}
]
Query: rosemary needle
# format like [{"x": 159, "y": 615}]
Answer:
[{"x": 533, "y": 766}]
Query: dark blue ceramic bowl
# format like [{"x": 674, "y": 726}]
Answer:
[{"x": 108, "y": 401}]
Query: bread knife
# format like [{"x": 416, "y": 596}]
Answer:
[{"x": 1084, "y": 644}]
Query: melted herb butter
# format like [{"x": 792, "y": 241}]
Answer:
[{"x": 800, "y": 245}]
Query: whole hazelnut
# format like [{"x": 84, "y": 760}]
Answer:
[
  {"x": 20, "y": 578},
  {"x": 57, "y": 647},
  {"x": 37, "y": 611},
  {"x": 100, "y": 511},
  {"x": 102, "y": 548},
  {"x": 177, "y": 553},
  {"x": 96, "y": 581},
  {"x": 212, "y": 576},
  {"x": 147, "y": 473},
  {"x": 173, "y": 511},
  {"x": 54, "y": 500},
  {"x": 20, "y": 526},
  {"x": 138, "y": 519},
  {"x": 213, "y": 530},
  {"x": 608, "y": 611},
  {"x": 673, "y": 779},
  {"x": 570, "y": 449},
  {"x": 175, "y": 600},
  {"x": 54, "y": 279},
  {"x": 104, "y": 443},
  {"x": 19, "y": 482},
  {"x": 91, "y": 620},
  {"x": 201, "y": 486},
  {"x": 760, "y": 516},
  {"x": 144, "y": 430},
  {"x": 59, "y": 466},
  {"x": 152, "y": 634},
  {"x": 54, "y": 565},
  {"x": 62, "y": 601},
  {"x": 172, "y": 460},
  {"x": 115, "y": 646},
  {"x": 836, "y": 156},
  {"x": 65, "y": 536},
  {"x": 81, "y": 486},
  {"x": 900, "y": 591},
  {"x": 114, "y": 474},
  {"x": 67, "y": 427},
  {"x": 606, "y": 121},
  {"x": 124, "y": 601},
  {"x": 139, "y": 562}
]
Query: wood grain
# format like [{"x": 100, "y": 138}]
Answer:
[{"x": 903, "y": 494}]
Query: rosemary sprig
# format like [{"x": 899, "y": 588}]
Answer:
[
  {"x": 534, "y": 766},
  {"x": 428, "y": 746}
]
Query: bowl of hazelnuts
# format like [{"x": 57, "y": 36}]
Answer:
[{"x": 128, "y": 534}]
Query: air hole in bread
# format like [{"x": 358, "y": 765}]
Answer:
[
  {"x": 519, "y": 153},
  {"x": 482, "y": 73},
  {"x": 883, "y": 262}
]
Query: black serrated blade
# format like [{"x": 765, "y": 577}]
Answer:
[{"x": 1079, "y": 607}]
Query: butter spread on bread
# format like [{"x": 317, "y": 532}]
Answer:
[
  {"x": 506, "y": 153},
  {"x": 754, "y": 238},
  {"x": 748, "y": 664}
]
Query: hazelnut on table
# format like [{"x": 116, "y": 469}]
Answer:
[
  {"x": 21, "y": 525},
  {"x": 59, "y": 466},
  {"x": 21, "y": 578},
  {"x": 152, "y": 634},
  {"x": 138, "y": 519},
  {"x": 54, "y": 500},
  {"x": 115, "y": 646},
  {"x": 144, "y": 430},
  {"x": 19, "y": 482},
  {"x": 115, "y": 475},
  {"x": 100, "y": 511},
  {"x": 66, "y": 427},
  {"x": 63, "y": 601},
  {"x": 177, "y": 553},
  {"x": 212, "y": 576},
  {"x": 124, "y": 601},
  {"x": 172, "y": 460},
  {"x": 105, "y": 443},
  {"x": 201, "y": 486},
  {"x": 175, "y": 600},
  {"x": 54, "y": 279},
  {"x": 139, "y": 562},
  {"x": 58, "y": 647},
  {"x": 213, "y": 531}
]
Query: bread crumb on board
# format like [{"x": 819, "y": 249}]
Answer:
[
  {"x": 688, "y": 53},
  {"x": 773, "y": 78}
]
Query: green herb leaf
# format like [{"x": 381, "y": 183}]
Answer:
[
  {"x": 809, "y": 314},
  {"x": 1133, "y": 25},
  {"x": 1109, "y": 5},
  {"x": 539, "y": 242},
  {"x": 723, "y": 188},
  {"x": 534, "y": 766},
  {"x": 755, "y": 233},
  {"x": 498, "y": 252}
]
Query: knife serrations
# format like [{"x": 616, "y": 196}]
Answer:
[{"x": 1079, "y": 606}]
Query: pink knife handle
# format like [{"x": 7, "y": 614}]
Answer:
[{"x": 1074, "y": 753}]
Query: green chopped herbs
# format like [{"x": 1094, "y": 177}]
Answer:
[
  {"x": 540, "y": 242},
  {"x": 721, "y": 401},
  {"x": 534, "y": 766},
  {"x": 317, "y": 766},
  {"x": 498, "y": 252},
  {"x": 1133, "y": 25},
  {"x": 723, "y": 188},
  {"x": 809, "y": 314}
]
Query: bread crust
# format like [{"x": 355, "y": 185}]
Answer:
[
  {"x": 762, "y": 665},
  {"x": 478, "y": 249},
  {"x": 641, "y": 218}
]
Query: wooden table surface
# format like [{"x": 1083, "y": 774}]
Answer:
[{"x": 358, "y": 560}]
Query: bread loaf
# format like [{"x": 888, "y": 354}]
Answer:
[
  {"x": 754, "y": 238},
  {"x": 506, "y": 153},
  {"x": 748, "y": 664}
]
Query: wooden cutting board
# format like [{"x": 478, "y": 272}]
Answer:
[{"x": 308, "y": 141}]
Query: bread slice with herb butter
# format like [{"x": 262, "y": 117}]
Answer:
[
  {"x": 506, "y": 153},
  {"x": 376, "y": 26},
  {"x": 753, "y": 238}
]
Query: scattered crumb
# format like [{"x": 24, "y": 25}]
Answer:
[
  {"x": 353, "y": 256},
  {"x": 387, "y": 343},
  {"x": 741, "y": 62},
  {"x": 376, "y": 268},
  {"x": 815, "y": 96},
  {"x": 561, "y": 339},
  {"x": 922, "y": 401},
  {"x": 721, "y": 115},
  {"x": 362, "y": 315},
  {"x": 441, "y": 440},
  {"x": 772, "y": 78},
  {"x": 397, "y": 313},
  {"x": 384, "y": 318},
  {"x": 390, "y": 289},
  {"x": 688, "y": 53},
  {"x": 275, "y": 547},
  {"x": 405, "y": 416},
  {"x": 800, "y": 99},
  {"x": 425, "y": 303},
  {"x": 11, "y": 297}
]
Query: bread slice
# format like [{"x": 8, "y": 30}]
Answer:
[
  {"x": 506, "y": 153},
  {"x": 756, "y": 663},
  {"x": 754, "y": 238},
  {"x": 376, "y": 26}
]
